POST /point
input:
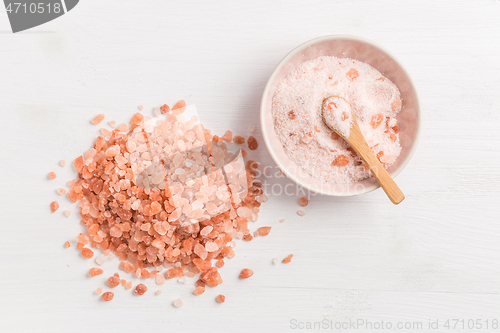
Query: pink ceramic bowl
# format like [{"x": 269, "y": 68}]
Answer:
[{"x": 344, "y": 47}]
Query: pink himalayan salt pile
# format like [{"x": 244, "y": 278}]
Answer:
[
  {"x": 142, "y": 226},
  {"x": 309, "y": 143}
]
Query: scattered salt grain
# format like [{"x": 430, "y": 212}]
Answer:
[
  {"x": 164, "y": 108},
  {"x": 52, "y": 175},
  {"x": 288, "y": 258},
  {"x": 252, "y": 129},
  {"x": 252, "y": 143},
  {"x": 183, "y": 280},
  {"x": 67, "y": 212},
  {"x": 159, "y": 279},
  {"x": 87, "y": 253},
  {"x": 107, "y": 296},
  {"x": 61, "y": 191},
  {"x": 220, "y": 298},
  {"x": 98, "y": 291},
  {"x": 112, "y": 124},
  {"x": 276, "y": 261},
  {"x": 140, "y": 289},
  {"x": 95, "y": 271},
  {"x": 303, "y": 201},
  {"x": 54, "y": 205},
  {"x": 97, "y": 119},
  {"x": 62, "y": 163},
  {"x": 282, "y": 220},
  {"x": 239, "y": 140},
  {"x": 113, "y": 281},
  {"x": 301, "y": 212},
  {"x": 67, "y": 244},
  {"x": 264, "y": 231},
  {"x": 158, "y": 292},
  {"x": 178, "y": 303},
  {"x": 140, "y": 107},
  {"x": 101, "y": 259},
  {"x": 246, "y": 273}
]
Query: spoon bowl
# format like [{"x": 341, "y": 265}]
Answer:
[{"x": 338, "y": 116}]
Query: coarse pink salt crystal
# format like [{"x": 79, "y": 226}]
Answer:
[
  {"x": 178, "y": 303},
  {"x": 246, "y": 273},
  {"x": 264, "y": 231},
  {"x": 282, "y": 220},
  {"x": 180, "y": 106},
  {"x": 62, "y": 163},
  {"x": 82, "y": 238},
  {"x": 159, "y": 279},
  {"x": 98, "y": 291},
  {"x": 87, "y": 253},
  {"x": 252, "y": 129},
  {"x": 239, "y": 140},
  {"x": 52, "y": 175},
  {"x": 303, "y": 201},
  {"x": 107, "y": 296},
  {"x": 128, "y": 285},
  {"x": 220, "y": 298},
  {"x": 95, "y": 271},
  {"x": 113, "y": 281},
  {"x": 112, "y": 124},
  {"x": 200, "y": 251},
  {"x": 122, "y": 127},
  {"x": 140, "y": 107},
  {"x": 137, "y": 119},
  {"x": 288, "y": 258},
  {"x": 67, "y": 244},
  {"x": 67, "y": 212},
  {"x": 54, "y": 205},
  {"x": 97, "y": 119},
  {"x": 228, "y": 136},
  {"x": 301, "y": 212},
  {"x": 61, "y": 191},
  {"x": 252, "y": 143},
  {"x": 113, "y": 151},
  {"x": 199, "y": 290},
  {"x": 164, "y": 108},
  {"x": 140, "y": 289},
  {"x": 158, "y": 292}
]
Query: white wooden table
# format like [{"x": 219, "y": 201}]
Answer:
[{"x": 434, "y": 257}]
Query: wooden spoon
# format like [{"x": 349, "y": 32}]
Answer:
[{"x": 339, "y": 123}]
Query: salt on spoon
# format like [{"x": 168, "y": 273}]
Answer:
[{"x": 338, "y": 116}]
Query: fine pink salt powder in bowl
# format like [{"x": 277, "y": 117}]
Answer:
[{"x": 408, "y": 119}]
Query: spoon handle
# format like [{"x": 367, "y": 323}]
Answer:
[{"x": 358, "y": 142}]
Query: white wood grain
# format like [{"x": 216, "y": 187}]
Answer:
[{"x": 435, "y": 256}]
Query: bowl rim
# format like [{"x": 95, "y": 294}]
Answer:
[{"x": 284, "y": 169}]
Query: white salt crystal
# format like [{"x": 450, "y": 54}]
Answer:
[
  {"x": 101, "y": 259},
  {"x": 178, "y": 303},
  {"x": 211, "y": 246},
  {"x": 205, "y": 231}
]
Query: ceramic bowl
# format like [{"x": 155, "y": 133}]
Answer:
[{"x": 344, "y": 47}]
